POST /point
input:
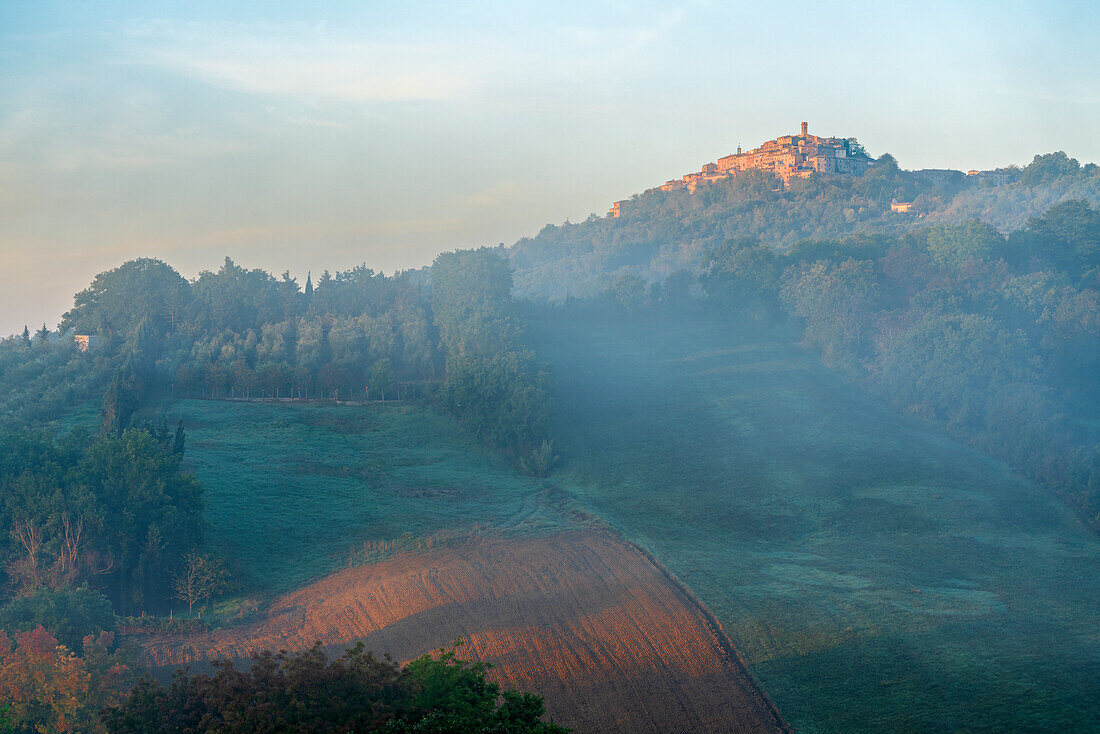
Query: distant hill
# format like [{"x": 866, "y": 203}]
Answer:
[{"x": 660, "y": 232}]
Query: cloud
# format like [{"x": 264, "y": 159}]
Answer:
[{"x": 305, "y": 62}]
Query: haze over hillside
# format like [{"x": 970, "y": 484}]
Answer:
[{"x": 802, "y": 434}]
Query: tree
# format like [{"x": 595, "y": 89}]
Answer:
[
  {"x": 628, "y": 291},
  {"x": 381, "y": 377},
  {"x": 743, "y": 274},
  {"x": 49, "y": 689},
  {"x": 1067, "y": 236},
  {"x": 139, "y": 494},
  {"x": 203, "y": 577},
  {"x": 120, "y": 400},
  {"x": 179, "y": 440},
  {"x": 955, "y": 244},
  {"x": 117, "y": 300},
  {"x": 836, "y": 301},
  {"x": 471, "y": 301},
  {"x": 70, "y": 614},
  {"x": 855, "y": 147},
  {"x": 355, "y": 692},
  {"x": 493, "y": 383},
  {"x": 27, "y": 571},
  {"x": 1050, "y": 166}
]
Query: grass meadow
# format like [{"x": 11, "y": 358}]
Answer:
[
  {"x": 296, "y": 491},
  {"x": 876, "y": 575}
]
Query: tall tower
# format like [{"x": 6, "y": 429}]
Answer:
[{"x": 805, "y": 125}]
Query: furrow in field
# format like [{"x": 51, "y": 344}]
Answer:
[{"x": 611, "y": 641}]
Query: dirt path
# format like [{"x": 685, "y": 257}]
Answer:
[{"x": 590, "y": 622}]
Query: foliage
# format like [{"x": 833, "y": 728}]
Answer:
[
  {"x": 43, "y": 378},
  {"x": 49, "y": 689},
  {"x": 233, "y": 332},
  {"x": 540, "y": 461},
  {"x": 204, "y": 576},
  {"x": 956, "y": 244},
  {"x": 1064, "y": 238},
  {"x": 70, "y": 614},
  {"x": 1049, "y": 167},
  {"x": 308, "y": 692},
  {"x": 628, "y": 291},
  {"x": 743, "y": 275},
  {"x": 835, "y": 301},
  {"x": 493, "y": 383},
  {"x": 459, "y": 698},
  {"x": 116, "y": 511}
]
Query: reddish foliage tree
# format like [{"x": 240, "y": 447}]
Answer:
[{"x": 49, "y": 689}]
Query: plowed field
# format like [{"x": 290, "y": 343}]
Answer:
[{"x": 580, "y": 617}]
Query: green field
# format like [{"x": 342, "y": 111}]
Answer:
[
  {"x": 293, "y": 490},
  {"x": 876, "y": 575}
]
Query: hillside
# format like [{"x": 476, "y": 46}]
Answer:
[
  {"x": 579, "y": 617},
  {"x": 413, "y": 535},
  {"x": 293, "y": 491},
  {"x": 661, "y": 232},
  {"x": 876, "y": 575}
]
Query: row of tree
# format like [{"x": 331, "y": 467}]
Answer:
[
  {"x": 239, "y": 332},
  {"x": 234, "y": 332}
]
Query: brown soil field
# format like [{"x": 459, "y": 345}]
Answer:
[{"x": 588, "y": 621}]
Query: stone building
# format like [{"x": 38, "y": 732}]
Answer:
[
  {"x": 789, "y": 156},
  {"x": 799, "y": 156}
]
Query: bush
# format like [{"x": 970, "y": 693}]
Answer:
[
  {"x": 308, "y": 692},
  {"x": 70, "y": 614}
]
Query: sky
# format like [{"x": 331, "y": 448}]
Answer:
[{"x": 311, "y": 136}]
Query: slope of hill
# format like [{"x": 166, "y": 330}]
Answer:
[
  {"x": 293, "y": 491},
  {"x": 579, "y": 616},
  {"x": 876, "y": 575},
  {"x": 661, "y": 232}
]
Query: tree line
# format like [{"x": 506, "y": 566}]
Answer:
[
  {"x": 239, "y": 333},
  {"x": 233, "y": 332}
]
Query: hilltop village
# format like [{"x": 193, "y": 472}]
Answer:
[
  {"x": 795, "y": 156},
  {"x": 788, "y": 156}
]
